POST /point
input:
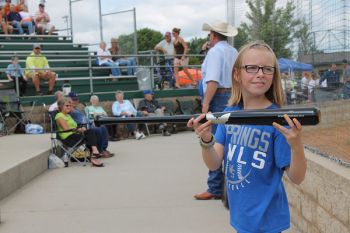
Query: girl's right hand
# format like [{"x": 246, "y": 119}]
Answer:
[{"x": 202, "y": 130}]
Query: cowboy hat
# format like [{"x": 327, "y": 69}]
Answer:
[{"x": 221, "y": 28}]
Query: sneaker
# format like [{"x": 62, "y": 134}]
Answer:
[
  {"x": 38, "y": 93},
  {"x": 166, "y": 133},
  {"x": 138, "y": 136},
  {"x": 143, "y": 136}
]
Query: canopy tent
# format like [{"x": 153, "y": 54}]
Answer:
[{"x": 292, "y": 66}]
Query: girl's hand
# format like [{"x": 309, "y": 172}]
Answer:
[
  {"x": 293, "y": 135},
  {"x": 202, "y": 130}
]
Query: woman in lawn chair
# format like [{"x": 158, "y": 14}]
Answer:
[{"x": 73, "y": 134}]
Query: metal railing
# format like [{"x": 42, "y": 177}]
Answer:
[{"x": 92, "y": 66}]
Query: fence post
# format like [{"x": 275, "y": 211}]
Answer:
[
  {"x": 152, "y": 70},
  {"x": 90, "y": 75}
]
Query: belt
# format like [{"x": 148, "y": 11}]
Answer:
[{"x": 223, "y": 90}]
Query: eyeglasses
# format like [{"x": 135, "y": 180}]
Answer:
[
  {"x": 254, "y": 69},
  {"x": 68, "y": 105}
]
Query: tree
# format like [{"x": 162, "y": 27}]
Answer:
[
  {"x": 304, "y": 39},
  {"x": 146, "y": 40},
  {"x": 275, "y": 26}
]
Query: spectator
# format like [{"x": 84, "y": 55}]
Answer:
[
  {"x": 21, "y": 6},
  {"x": 95, "y": 110},
  {"x": 330, "y": 78},
  {"x": 6, "y": 8},
  {"x": 101, "y": 132},
  {"x": 150, "y": 107},
  {"x": 305, "y": 85},
  {"x": 181, "y": 59},
  {"x": 124, "y": 108},
  {"x": 58, "y": 96},
  {"x": 346, "y": 71},
  {"x": 311, "y": 88},
  {"x": 27, "y": 19},
  {"x": 166, "y": 47},
  {"x": 217, "y": 83},
  {"x": 129, "y": 62},
  {"x": 66, "y": 122},
  {"x": 346, "y": 88},
  {"x": 288, "y": 87},
  {"x": 42, "y": 21},
  {"x": 6, "y": 28},
  {"x": 15, "y": 73},
  {"x": 37, "y": 68},
  {"x": 15, "y": 19},
  {"x": 105, "y": 59}
]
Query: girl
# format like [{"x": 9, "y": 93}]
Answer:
[{"x": 255, "y": 157}]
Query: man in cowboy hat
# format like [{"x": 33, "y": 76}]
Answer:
[{"x": 216, "y": 88}]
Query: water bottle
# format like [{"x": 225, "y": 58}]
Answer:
[{"x": 65, "y": 159}]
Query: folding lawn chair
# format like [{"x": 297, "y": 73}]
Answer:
[{"x": 59, "y": 148}]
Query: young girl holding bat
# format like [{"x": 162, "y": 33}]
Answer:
[{"x": 255, "y": 157}]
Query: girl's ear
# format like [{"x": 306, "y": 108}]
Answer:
[{"x": 235, "y": 75}]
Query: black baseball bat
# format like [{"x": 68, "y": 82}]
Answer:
[{"x": 306, "y": 116}]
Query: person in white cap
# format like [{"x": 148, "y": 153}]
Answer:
[{"x": 216, "y": 86}]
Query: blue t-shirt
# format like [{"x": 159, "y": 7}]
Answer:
[{"x": 255, "y": 158}]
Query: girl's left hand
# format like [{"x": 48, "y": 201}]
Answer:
[{"x": 293, "y": 134}]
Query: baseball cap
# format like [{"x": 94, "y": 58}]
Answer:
[
  {"x": 73, "y": 95},
  {"x": 145, "y": 92},
  {"x": 36, "y": 45},
  {"x": 167, "y": 34}
]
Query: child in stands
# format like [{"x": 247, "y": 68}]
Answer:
[{"x": 15, "y": 73}]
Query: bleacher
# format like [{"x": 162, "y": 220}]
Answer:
[{"x": 71, "y": 62}]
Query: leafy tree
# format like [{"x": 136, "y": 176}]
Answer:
[
  {"x": 146, "y": 40},
  {"x": 275, "y": 26},
  {"x": 305, "y": 40}
]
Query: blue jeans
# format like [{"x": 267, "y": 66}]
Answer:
[
  {"x": 17, "y": 25},
  {"x": 216, "y": 178},
  {"x": 130, "y": 62},
  {"x": 114, "y": 68},
  {"x": 29, "y": 25},
  {"x": 102, "y": 137}
]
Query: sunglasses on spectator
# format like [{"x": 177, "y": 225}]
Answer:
[{"x": 68, "y": 105}]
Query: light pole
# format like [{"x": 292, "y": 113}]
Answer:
[{"x": 70, "y": 15}]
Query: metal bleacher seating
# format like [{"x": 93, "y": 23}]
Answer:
[{"x": 73, "y": 63}]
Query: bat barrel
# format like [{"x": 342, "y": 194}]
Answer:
[{"x": 306, "y": 116}]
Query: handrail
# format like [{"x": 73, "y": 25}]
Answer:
[
  {"x": 32, "y": 36},
  {"x": 42, "y": 43}
]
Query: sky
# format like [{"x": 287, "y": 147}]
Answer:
[{"x": 189, "y": 15}]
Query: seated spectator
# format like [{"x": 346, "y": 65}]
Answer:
[
  {"x": 14, "y": 73},
  {"x": 58, "y": 96},
  {"x": 150, "y": 107},
  {"x": 15, "y": 19},
  {"x": 42, "y": 21},
  {"x": 124, "y": 108},
  {"x": 66, "y": 122},
  {"x": 37, "y": 68},
  {"x": 21, "y": 6},
  {"x": 130, "y": 62},
  {"x": 6, "y": 8},
  {"x": 95, "y": 110},
  {"x": 105, "y": 59},
  {"x": 6, "y": 28},
  {"x": 101, "y": 132},
  {"x": 27, "y": 20}
]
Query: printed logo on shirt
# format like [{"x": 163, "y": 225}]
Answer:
[{"x": 247, "y": 151}]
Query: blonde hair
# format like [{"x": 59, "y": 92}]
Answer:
[{"x": 274, "y": 94}]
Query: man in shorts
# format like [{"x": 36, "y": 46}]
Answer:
[
  {"x": 37, "y": 68},
  {"x": 42, "y": 21}
]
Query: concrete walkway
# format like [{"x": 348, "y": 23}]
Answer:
[{"x": 147, "y": 187}]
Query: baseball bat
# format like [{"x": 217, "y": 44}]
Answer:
[{"x": 306, "y": 116}]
